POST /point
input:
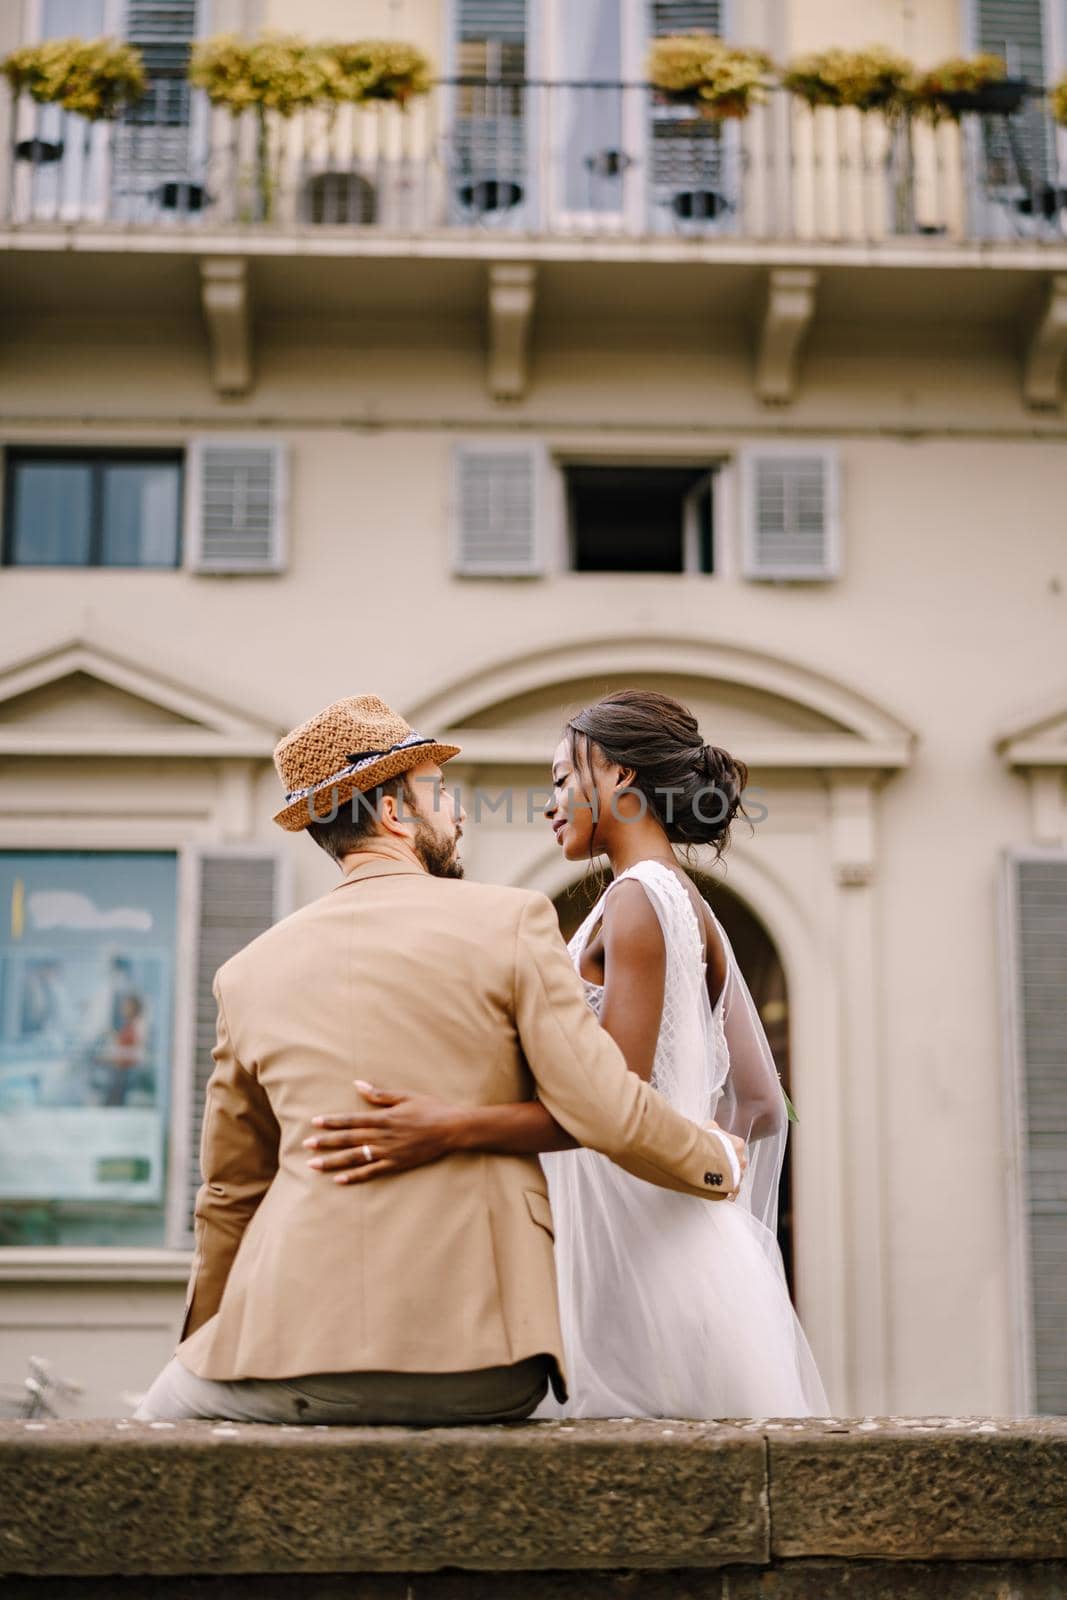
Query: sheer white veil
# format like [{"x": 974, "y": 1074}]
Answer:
[{"x": 746, "y": 1090}]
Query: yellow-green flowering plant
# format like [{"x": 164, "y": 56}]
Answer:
[
  {"x": 1058, "y": 101},
  {"x": 95, "y": 78},
  {"x": 938, "y": 92},
  {"x": 700, "y": 70},
  {"x": 275, "y": 72},
  {"x": 875, "y": 79},
  {"x": 376, "y": 70}
]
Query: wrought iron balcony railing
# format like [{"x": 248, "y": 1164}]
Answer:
[{"x": 538, "y": 158}]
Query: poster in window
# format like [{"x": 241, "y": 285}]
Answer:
[{"x": 86, "y": 963}]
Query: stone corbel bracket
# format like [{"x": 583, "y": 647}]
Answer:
[
  {"x": 787, "y": 318},
  {"x": 1046, "y": 348},
  {"x": 512, "y": 294},
  {"x": 224, "y": 297}
]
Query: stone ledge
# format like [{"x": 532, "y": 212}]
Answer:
[
  {"x": 123, "y": 1498},
  {"x": 919, "y": 1489}
]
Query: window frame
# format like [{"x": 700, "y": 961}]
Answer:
[{"x": 98, "y": 457}]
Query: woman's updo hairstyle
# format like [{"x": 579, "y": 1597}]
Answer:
[{"x": 693, "y": 788}]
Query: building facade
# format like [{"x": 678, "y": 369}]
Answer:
[{"x": 537, "y": 388}]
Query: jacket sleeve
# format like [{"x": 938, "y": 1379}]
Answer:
[
  {"x": 238, "y": 1161},
  {"x": 582, "y": 1077}
]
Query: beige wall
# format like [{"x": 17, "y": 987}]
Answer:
[{"x": 949, "y": 616}]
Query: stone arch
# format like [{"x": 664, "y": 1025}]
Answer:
[{"x": 804, "y": 701}]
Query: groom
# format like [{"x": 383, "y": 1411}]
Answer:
[{"x": 432, "y": 1298}]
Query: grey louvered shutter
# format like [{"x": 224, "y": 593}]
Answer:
[
  {"x": 490, "y": 125},
  {"x": 1014, "y": 29},
  {"x": 791, "y": 514},
  {"x": 1038, "y": 936},
  {"x": 237, "y": 894},
  {"x": 687, "y": 16},
  {"x": 1017, "y": 156},
  {"x": 236, "y": 506},
  {"x": 498, "y": 498},
  {"x": 151, "y": 144},
  {"x": 687, "y": 166}
]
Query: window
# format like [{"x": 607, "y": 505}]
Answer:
[
  {"x": 639, "y": 519},
  {"x": 107, "y": 1023},
  {"x": 87, "y": 955},
  {"x": 93, "y": 508}
]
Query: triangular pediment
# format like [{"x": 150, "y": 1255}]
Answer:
[
  {"x": 1038, "y": 739},
  {"x": 80, "y": 697}
]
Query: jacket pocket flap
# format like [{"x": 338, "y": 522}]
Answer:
[{"x": 540, "y": 1210}]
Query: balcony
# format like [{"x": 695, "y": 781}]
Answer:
[
  {"x": 544, "y": 160},
  {"x": 597, "y": 205}
]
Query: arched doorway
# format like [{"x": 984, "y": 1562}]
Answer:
[{"x": 761, "y": 964}]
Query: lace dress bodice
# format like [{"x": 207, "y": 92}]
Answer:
[{"x": 680, "y": 1071}]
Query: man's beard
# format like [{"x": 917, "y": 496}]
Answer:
[{"x": 437, "y": 855}]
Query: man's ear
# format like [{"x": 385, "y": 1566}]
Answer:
[{"x": 388, "y": 817}]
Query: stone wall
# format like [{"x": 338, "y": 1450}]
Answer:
[{"x": 945, "y": 1507}]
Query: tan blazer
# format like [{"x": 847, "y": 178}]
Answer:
[{"x": 441, "y": 986}]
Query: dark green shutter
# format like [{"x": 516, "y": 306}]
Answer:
[
  {"x": 1040, "y": 942},
  {"x": 1018, "y": 156},
  {"x": 238, "y": 897}
]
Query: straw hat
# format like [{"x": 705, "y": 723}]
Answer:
[{"x": 356, "y": 743}]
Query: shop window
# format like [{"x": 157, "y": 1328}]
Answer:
[{"x": 87, "y": 960}]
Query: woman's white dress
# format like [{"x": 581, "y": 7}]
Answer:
[{"x": 674, "y": 1306}]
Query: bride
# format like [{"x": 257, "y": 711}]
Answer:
[{"x": 670, "y": 1307}]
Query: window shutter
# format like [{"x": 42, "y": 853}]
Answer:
[
  {"x": 791, "y": 521},
  {"x": 236, "y": 895},
  {"x": 688, "y": 163},
  {"x": 1018, "y": 156},
  {"x": 498, "y": 500},
  {"x": 1038, "y": 935},
  {"x": 687, "y": 16},
  {"x": 500, "y": 21},
  {"x": 489, "y": 119},
  {"x": 1014, "y": 29},
  {"x": 236, "y": 500},
  {"x": 162, "y": 30},
  {"x": 151, "y": 142}
]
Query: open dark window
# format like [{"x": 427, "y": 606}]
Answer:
[{"x": 640, "y": 519}]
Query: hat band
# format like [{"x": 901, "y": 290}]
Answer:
[{"x": 356, "y": 763}]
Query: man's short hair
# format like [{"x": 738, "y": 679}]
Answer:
[{"x": 356, "y": 823}]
